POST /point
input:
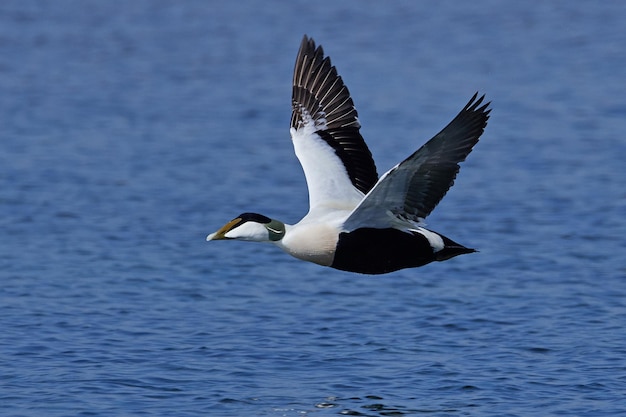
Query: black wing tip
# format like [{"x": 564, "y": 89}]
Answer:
[
  {"x": 308, "y": 41},
  {"x": 308, "y": 47},
  {"x": 474, "y": 103}
]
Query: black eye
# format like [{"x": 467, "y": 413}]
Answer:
[{"x": 254, "y": 217}]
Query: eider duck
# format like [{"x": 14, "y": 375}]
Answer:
[{"x": 356, "y": 221}]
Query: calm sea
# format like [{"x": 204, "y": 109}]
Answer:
[{"x": 130, "y": 130}]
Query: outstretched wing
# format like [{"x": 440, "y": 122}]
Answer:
[
  {"x": 413, "y": 188},
  {"x": 337, "y": 163}
]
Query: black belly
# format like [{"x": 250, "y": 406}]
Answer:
[{"x": 378, "y": 251}]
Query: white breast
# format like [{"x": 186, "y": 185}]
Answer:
[{"x": 313, "y": 242}]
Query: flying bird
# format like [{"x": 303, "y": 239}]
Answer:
[{"x": 357, "y": 221}]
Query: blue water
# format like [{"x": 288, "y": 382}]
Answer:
[{"x": 130, "y": 130}]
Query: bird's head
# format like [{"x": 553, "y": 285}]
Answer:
[{"x": 250, "y": 227}]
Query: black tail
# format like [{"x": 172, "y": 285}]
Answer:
[{"x": 451, "y": 249}]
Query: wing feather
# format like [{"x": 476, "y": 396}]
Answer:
[
  {"x": 321, "y": 101},
  {"x": 412, "y": 189}
]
